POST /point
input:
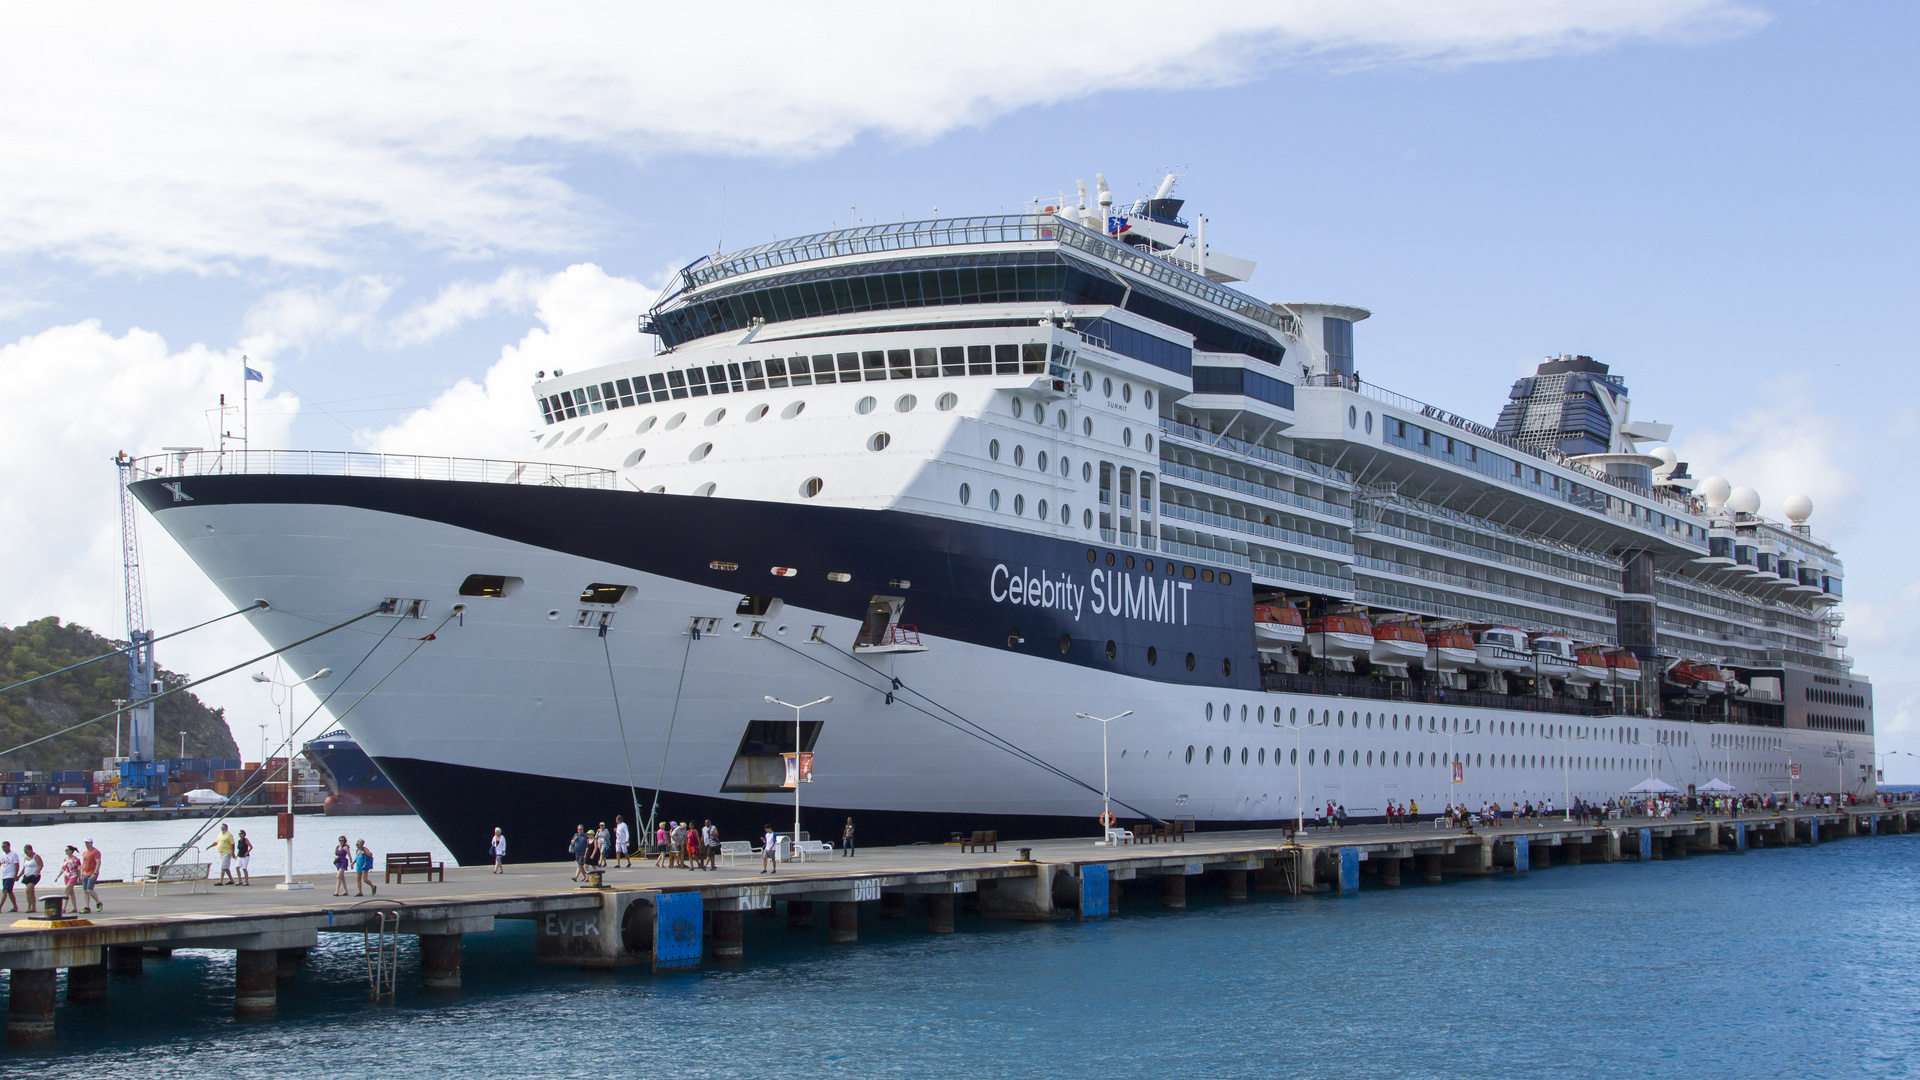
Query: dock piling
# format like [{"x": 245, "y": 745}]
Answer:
[
  {"x": 799, "y": 914},
  {"x": 843, "y": 922},
  {"x": 256, "y": 975},
  {"x": 729, "y": 934},
  {"x": 939, "y": 913},
  {"x": 1235, "y": 884},
  {"x": 893, "y": 906},
  {"x": 1430, "y": 869},
  {"x": 289, "y": 964},
  {"x": 1173, "y": 892},
  {"x": 30, "y": 1000},
  {"x": 440, "y": 956},
  {"x": 86, "y": 984},
  {"x": 1389, "y": 872}
]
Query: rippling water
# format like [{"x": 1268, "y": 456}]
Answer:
[{"x": 1790, "y": 962}]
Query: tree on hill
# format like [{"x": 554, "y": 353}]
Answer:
[{"x": 28, "y": 713}]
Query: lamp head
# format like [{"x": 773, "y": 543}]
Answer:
[
  {"x": 771, "y": 700},
  {"x": 323, "y": 673},
  {"x": 261, "y": 676}
]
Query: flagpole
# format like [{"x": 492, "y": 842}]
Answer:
[{"x": 244, "y": 397}]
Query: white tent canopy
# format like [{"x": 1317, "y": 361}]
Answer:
[
  {"x": 1718, "y": 786},
  {"x": 1652, "y": 786}
]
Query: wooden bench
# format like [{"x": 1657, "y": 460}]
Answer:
[
  {"x": 403, "y": 863},
  {"x": 193, "y": 875},
  {"x": 982, "y": 841}
]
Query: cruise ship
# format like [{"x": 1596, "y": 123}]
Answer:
[{"x": 983, "y": 481}]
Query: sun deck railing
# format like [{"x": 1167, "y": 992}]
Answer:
[{"x": 351, "y": 463}]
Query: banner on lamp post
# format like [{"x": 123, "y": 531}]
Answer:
[
  {"x": 799, "y": 768},
  {"x": 1459, "y": 772}
]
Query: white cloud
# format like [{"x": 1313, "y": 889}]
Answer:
[
  {"x": 1786, "y": 451},
  {"x": 461, "y": 301},
  {"x": 154, "y": 138},
  {"x": 296, "y": 318},
  {"x": 587, "y": 319}
]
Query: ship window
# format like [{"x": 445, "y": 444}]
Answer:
[
  {"x": 490, "y": 585},
  {"x": 705, "y": 489},
  {"x": 993, "y": 449},
  {"x": 873, "y": 364},
  {"x": 715, "y": 417},
  {"x": 753, "y": 605},
  {"x": 1040, "y": 461},
  {"x": 1153, "y": 655},
  {"x": 849, "y": 363},
  {"x": 596, "y": 432},
  {"x": 573, "y": 438},
  {"x": 1060, "y": 418},
  {"x": 1126, "y": 436},
  {"x": 1016, "y": 408},
  {"x": 811, "y": 487},
  {"x": 1310, "y": 755},
  {"x": 1262, "y": 760},
  {"x": 1189, "y": 661},
  {"x": 1019, "y": 505},
  {"x": 1187, "y": 572},
  {"x": 1086, "y": 426},
  {"x": 945, "y": 402},
  {"x": 599, "y": 593},
  {"x": 756, "y": 413},
  {"x": 1400, "y": 432},
  {"x": 1110, "y": 558},
  {"x": 905, "y": 403},
  {"x": 634, "y": 458},
  {"x": 1086, "y": 519},
  {"x": 839, "y": 575},
  {"x": 864, "y": 405},
  {"x": 676, "y": 420},
  {"x": 1206, "y": 575},
  {"x": 626, "y": 392},
  {"x": 1209, "y": 712},
  {"x": 697, "y": 382},
  {"x": 1039, "y": 413},
  {"x": 1226, "y": 668},
  {"x": 700, "y": 452},
  {"x": 1041, "y": 510},
  {"x": 1106, "y": 387},
  {"x": 1209, "y": 755},
  {"x": 1353, "y": 416},
  {"x": 1112, "y": 650},
  {"x": 1086, "y": 380},
  {"x": 993, "y": 499},
  {"x": 1086, "y": 472},
  {"x": 1189, "y": 755},
  {"x": 1126, "y": 392},
  {"x": 760, "y": 376},
  {"x": 1226, "y": 578},
  {"x": 979, "y": 360},
  {"x": 799, "y": 370},
  {"x": 793, "y": 410},
  {"x": 966, "y": 494},
  {"x": 1293, "y": 756},
  {"x": 953, "y": 360},
  {"x": 1013, "y": 637},
  {"x": 1092, "y": 556},
  {"x": 1066, "y": 643},
  {"x": 1019, "y": 455},
  {"x": 879, "y": 441},
  {"x": 1369, "y": 423},
  {"x": 1006, "y": 359},
  {"x": 900, "y": 363}
]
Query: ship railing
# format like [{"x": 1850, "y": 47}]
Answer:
[
  {"x": 357, "y": 464},
  {"x": 1331, "y": 685},
  {"x": 1254, "y": 450}
]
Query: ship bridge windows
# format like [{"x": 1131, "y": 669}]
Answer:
[{"x": 495, "y": 586}]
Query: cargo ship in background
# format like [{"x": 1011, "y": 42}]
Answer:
[
  {"x": 980, "y": 478},
  {"x": 355, "y": 785}
]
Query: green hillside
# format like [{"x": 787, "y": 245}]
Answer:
[{"x": 28, "y": 713}]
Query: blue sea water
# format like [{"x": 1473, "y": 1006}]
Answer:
[{"x": 1796, "y": 962}]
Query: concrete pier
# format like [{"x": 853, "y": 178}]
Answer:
[
  {"x": 30, "y": 1005},
  {"x": 799, "y": 914},
  {"x": 256, "y": 978},
  {"x": 729, "y": 935},
  {"x": 940, "y": 913},
  {"x": 87, "y": 983},
  {"x": 440, "y": 956},
  {"x": 843, "y": 922}
]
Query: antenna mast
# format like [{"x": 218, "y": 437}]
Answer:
[{"x": 140, "y": 668}]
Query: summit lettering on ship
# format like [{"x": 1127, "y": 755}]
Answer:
[{"x": 1108, "y": 592}]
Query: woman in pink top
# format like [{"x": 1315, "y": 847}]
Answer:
[{"x": 70, "y": 875}]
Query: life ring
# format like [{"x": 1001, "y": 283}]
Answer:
[{"x": 1107, "y": 819}]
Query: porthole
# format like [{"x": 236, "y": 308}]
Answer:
[
  {"x": 1146, "y": 398},
  {"x": 1086, "y": 519},
  {"x": 657, "y": 489},
  {"x": 1060, "y": 419},
  {"x": 575, "y": 437},
  {"x": 634, "y": 458},
  {"x": 1147, "y": 443},
  {"x": 1226, "y": 668},
  {"x": 1353, "y": 416},
  {"x": 1066, "y": 514},
  {"x": 966, "y": 494},
  {"x": 558, "y": 435},
  {"x": 1066, "y": 643},
  {"x": 1226, "y": 578},
  {"x": 1243, "y": 714},
  {"x": 1086, "y": 472},
  {"x": 1209, "y": 749},
  {"x": 597, "y": 432},
  {"x": 1293, "y": 756},
  {"x": 1343, "y": 757},
  {"x": 945, "y": 402},
  {"x": 1263, "y": 756},
  {"x": 1243, "y": 755},
  {"x": 1112, "y": 649},
  {"x": 1086, "y": 425},
  {"x": 864, "y": 406},
  {"x": 1369, "y": 423},
  {"x": 1189, "y": 749},
  {"x": 700, "y": 452},
  {"x": 1310, "y": 757},
  {"x": 1040, "y": 510},
  {"x": 1209, "y": 712},
  {"x": 646, "y": 425},
  {"x": 1019, "y": 505},
  {"x": 756, "y": 414},
  {"x": 1126, "y": 436},
  {"x": 705, "y": 489},
  {"x": 715, "y": 417},
  {"x": 879, "y": 441},
  {"x": 1262, "y": 715},
  {"x": 1153, "y": 656},
  {"x": 1017, "y": 408},
  {"x": 1126, "y": 392},
  {"x": 1086, "y": 380},
  {"x": 811, "y": 487},
  {"x": 1189, "y": 661},
  {"x": 1040, "y": 461},
  {"x": 1066, "y": 467},
  {"x": 1019, "y": 456},
  {"x": 993, "y": 449},
  {"x": 1039, "y": 413},
  {"x": 1092, "y": 555},
  {"x": 793, "y": 410},
  {"x": 905, "y": 403},
  {"x": 1106, "y": 387},
  {"x": 993, "y": 499},
  {"x": 676, "y": 420}
]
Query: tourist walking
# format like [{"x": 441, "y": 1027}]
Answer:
[
  {"x": 769, "y": 851},
  {"x": 224, "y": 845},
  {"x": 89, "y": 875},
  {"x": 846, "y": 839},
  {"x": 70, "y": 875},
  {"x": 30, "y": 867},
  {"x": 9, "y": 873},
  {"x": 577, "y": 847},
  {"x": 342, "y": 861},
  {"x": 362, "y": 866},
  {"x": 603, "y": 843},
  {"x": 693, "y": 849},
  {"x": 242, "y": 858},
  {"x": 621, "y": 839},
  {"x": 498, "y": 847},
  {"x": 710, "y": 840}
]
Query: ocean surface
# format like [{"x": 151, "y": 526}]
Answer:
[{"x": 1798, "y": 962}]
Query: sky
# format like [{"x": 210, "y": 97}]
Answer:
[{"x": 399, "y": 213}]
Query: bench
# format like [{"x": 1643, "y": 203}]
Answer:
[
  {"x": 1116, "y": 835},
  {"x": 811, "y": 847},
  {"x": 982, "y": 841},
  {"x": 403, "y": 863},
  {"x": 193, "y": 875},
  {"x": 737, "y": 849}
]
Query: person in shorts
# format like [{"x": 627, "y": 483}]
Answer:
[
  {"x": 9, "y": 873},
  {"x": 224, "y": 845},
  {"x": 89, "y": 875},
  {"x": 30, "y": 867},
  {"x": 242, "y": 858},
  {"x": 622, "y": 839},
  {"x": 498, "y": 847}
]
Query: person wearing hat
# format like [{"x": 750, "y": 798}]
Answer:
[{"x": 89, "y": 874}]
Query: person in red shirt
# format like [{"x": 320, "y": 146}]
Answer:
[{"x": 89, "y": 875}]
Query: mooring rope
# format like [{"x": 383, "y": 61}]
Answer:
[
  {"x": 693, "y": 634},
  {"x": 621, "y": 722},
  {"x": 255, "y": 606}
]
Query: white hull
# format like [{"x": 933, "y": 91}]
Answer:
[
  {"x": 1341, "y": 646},
  {"x": 1273, "y": 637}
]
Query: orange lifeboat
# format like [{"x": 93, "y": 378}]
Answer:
[
  {"x": 1277, "y": 626},
  {"x": 1398, "y": 641},
  {"x": 1590, "y": 664},
  {"x": 1339, "y": 637},
  {"x": 1450, "y": 647},
  {"x": 1622, "y": 665}
]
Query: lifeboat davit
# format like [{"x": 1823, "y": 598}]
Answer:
[
  {"x": 1503, "y": 648},
  {"x": 1622, "y": 665},
  {"x": 1398, "y": 642},
  {"x": 1590, "y": 664},
  {"x": 1340, "y": 638},
  {"x": 1695, "y": 676},
  {"x": 1450, "y": 647},
  {"x": 1277, "y": 626}
]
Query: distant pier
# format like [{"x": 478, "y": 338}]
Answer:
[{"x": 673, "y": 918}]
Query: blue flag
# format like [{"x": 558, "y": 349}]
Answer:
[{"x": 254, "y": 376}]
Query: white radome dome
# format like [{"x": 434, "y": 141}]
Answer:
[
  {"x": 1798, "y": 509},
  {"x": 1668, "y": 459},
  {"x": 1744, "y": 500},
  {"x": 1715, "y": 490}
]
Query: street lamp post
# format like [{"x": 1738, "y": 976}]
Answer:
[
  {"x": 794, "y": 844},
  {"x": 1450, "y": 736},
  {"x": 1840, "y": 754},
  {"x": 1299, "y": 778},
  {"x": 1566, "y": 768},
  {"x": 262, "y": 677},
  {"x": 1106, "y": 784}
]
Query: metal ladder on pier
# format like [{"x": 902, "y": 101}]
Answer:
[{"x": 380, "y": 940}]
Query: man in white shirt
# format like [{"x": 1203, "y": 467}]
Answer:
[
  {"x": 9, "y": 873},
  {"x": 770, "y": 852},
  {"x": 621, "y": 839}
]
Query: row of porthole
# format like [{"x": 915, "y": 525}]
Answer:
[
  {"x": 1420, "y": 760},
  {"x": 1188, "y": 572},
  {"x": 906, "y": 403},
  {"x": 1041, "y": 509},
  {"x": 1040, "y": 461}
]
